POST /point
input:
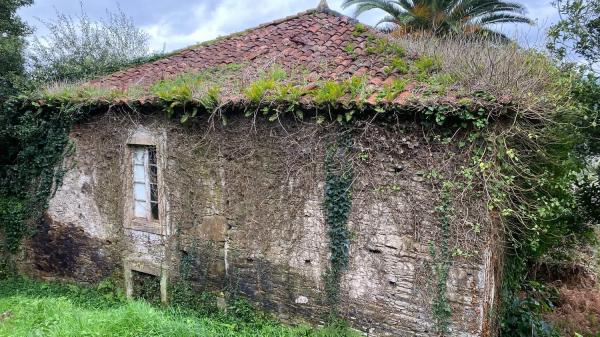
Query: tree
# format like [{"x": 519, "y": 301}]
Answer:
[
  {"x": 12, "y": 42},
  {"x": 80, "y": 48},
  {"x": 577, "y": 32},
  {"x": 442, "y": 17}
]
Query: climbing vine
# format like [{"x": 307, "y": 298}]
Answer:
[
  {"x": 337, "y": 204},
  {"x": 441, "y": 309},
  {"x": 12, "y": 215},
  {"x": 525, "y": 156},
  {"x": 36, "y": 139}
]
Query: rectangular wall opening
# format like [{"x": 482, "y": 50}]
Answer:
[{"x": 146, "y": 287}]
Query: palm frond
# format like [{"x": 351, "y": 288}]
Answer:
[
  {"x": 492, "y": 35},
  {"x": 502, "y": 18},
  {"x": 390, "y": 7},
  {"x": 388, "y": 19},
  {"x": 442, "y": 17},
  {"x": 480, "y": 7}
]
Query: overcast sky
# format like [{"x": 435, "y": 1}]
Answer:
[{"x": 179, "y": 23}]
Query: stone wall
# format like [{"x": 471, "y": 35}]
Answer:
[{"x": 243, "y": 204}]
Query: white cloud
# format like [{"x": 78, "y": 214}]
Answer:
[
  {"x": 181, "y": 23},
  {"x": 229, "y": 16}
]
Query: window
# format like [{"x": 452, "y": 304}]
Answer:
[{"x": 145, "y": 183}]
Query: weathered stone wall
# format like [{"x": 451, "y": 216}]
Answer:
[{"x": 244, "y": 209}]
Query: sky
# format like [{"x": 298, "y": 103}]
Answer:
[{"x": 176, "y": 24}]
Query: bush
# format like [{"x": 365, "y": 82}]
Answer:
[{"x": 80, "y": 48}]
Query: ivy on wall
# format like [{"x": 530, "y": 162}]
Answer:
[
  {"x": 337, "y": 204},
  {"x": 12, "y": 215},
  {"x": 36, "y": 140},
  {"x": 441, "y": 309},
  {"x": 527, "y": 165}
]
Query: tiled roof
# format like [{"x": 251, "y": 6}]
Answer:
[{"x": 320, "y": 41}]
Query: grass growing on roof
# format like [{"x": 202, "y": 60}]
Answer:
[
  {"x": 34, "y": 308},
  {"x": 391, "y": 90},
  {"x": 433, "y": 66},
  {"x": 201, "y": 86}
]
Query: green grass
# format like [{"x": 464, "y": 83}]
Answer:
[{"x": 34, "y": 308}]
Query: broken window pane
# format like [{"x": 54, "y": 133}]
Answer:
[{"x": 154, "y": 211}]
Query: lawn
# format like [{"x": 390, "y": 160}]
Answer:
[{"x": 34, "y": 308}]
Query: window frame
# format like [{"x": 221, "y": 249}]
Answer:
[{"x": 144, "y": 139}]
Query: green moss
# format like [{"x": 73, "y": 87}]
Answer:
[
  {"x": 84, "y": 93},
  {"x": 465, "y": 101},
  {"x": 438, "y": 84},
  {"x": 331, "y": 92},
  {"x": 359, "y": 29},
  {"x": 350, "y": 49},
  {"x": 203, "y": 86},
  {"x": 270, "y": 83},
  {"x": 212, "y": 97},
  {"x": 278, "y": 73}
]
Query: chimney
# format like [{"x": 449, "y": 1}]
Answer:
[{"x": 323, "y": 6}]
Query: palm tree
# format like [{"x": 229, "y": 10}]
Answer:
[{"x": 443, "y": 16}]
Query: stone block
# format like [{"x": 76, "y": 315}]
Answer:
[{"x": 214, "y": 227}]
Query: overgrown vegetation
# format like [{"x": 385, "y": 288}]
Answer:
[
  {"x": 12, "y": 216},
  {"x": 54, "y": 309},
  {"x": 577, "y": 32},
  {"x": 440, "y": 253},
  {"x": 337, "y": 204},
  {"x": 525, "y": 124},
  {"x": 12, "y": 44},
  {"x": 37, "y": 142}
]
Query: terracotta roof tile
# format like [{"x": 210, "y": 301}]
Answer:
[{"x": 307, "y": 40}]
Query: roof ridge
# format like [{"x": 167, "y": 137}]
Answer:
[
  {"x": 178, "y": 57},
  {"x": 282, "y": 20},
  {"x": 319, "y": 9}
]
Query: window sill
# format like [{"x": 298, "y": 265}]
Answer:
[{"x": 144, "y": 226}]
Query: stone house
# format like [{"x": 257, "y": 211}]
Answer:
[{"x": 243, "y": 205}]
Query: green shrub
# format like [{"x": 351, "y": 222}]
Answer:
[{"x": 523, "y": 314}]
